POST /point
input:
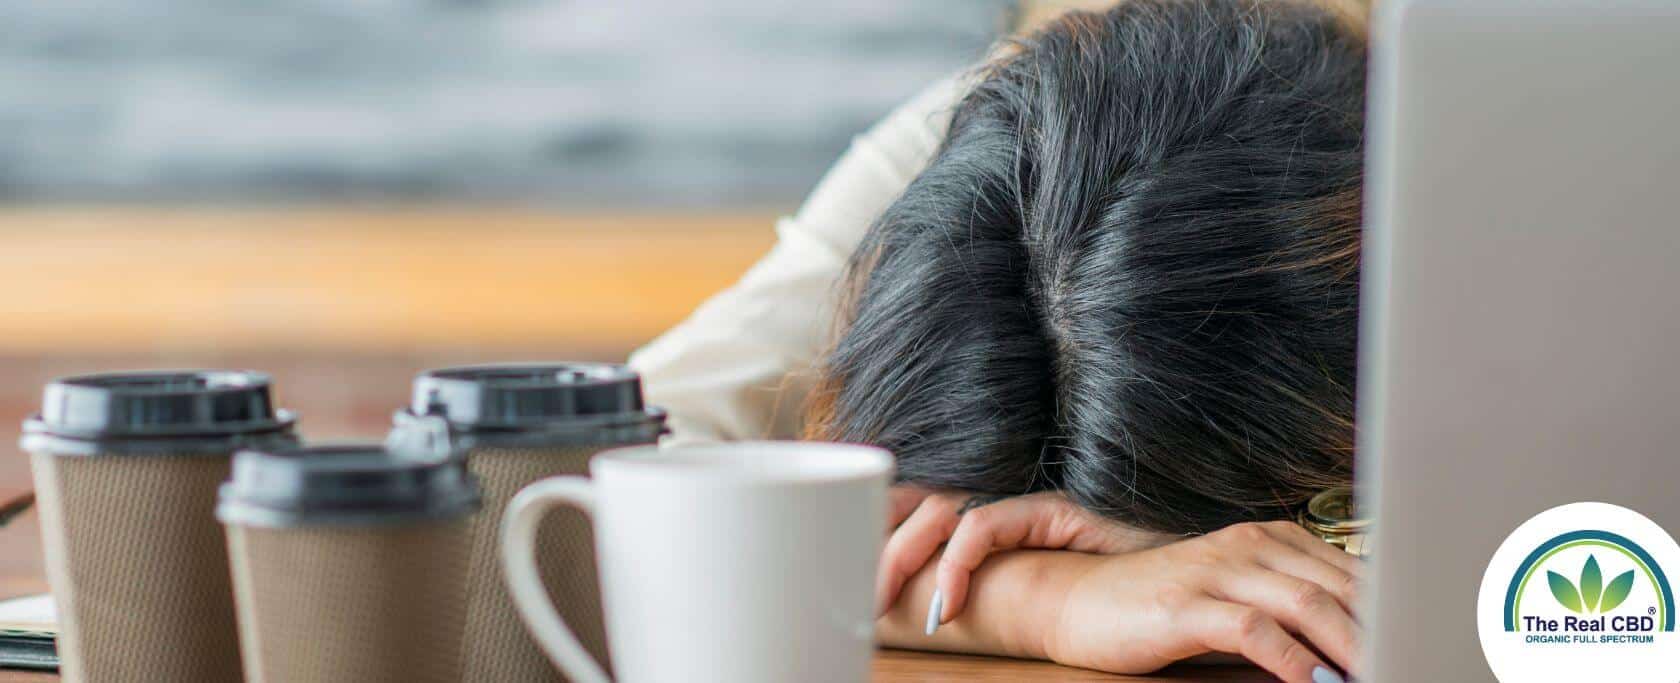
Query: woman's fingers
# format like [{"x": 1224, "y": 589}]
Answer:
[
  {"x": 1341, "y": 585},
  {"x": 1318, "y": 562},
  {"x": 1302, "y": 606},
  {"x": 1228, "y": 627},
  {"x": 981, "y": 531},
  {"x": 1036, "y": 520},
  {"x": 912, "y": 544},
  {"x": 1285, "y": 547},
  {"x": 901, "y": 501},
  {"x": 1292, "y": 534}
]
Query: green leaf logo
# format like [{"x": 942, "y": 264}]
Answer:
[
  {"x": 1593, "y": 595},
  {"x": 1617, "y": 591},
  {"x": 1564, "y": 591},
  {"x": 1592, "y": 583}
]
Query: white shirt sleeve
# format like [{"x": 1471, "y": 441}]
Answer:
[{"x": 741, "y": 365}]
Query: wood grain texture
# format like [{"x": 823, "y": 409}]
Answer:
[
  {"x": 904, "y": 666},
  {"x": 98, "y": 280},
  {"x": 898, "y": 666}
]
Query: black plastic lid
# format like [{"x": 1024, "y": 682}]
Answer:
[
  {"x": 162, "y": 403},
  {"x": 532, "y": 396},
  {"x": 157, "y": 406},
  {"x": 343, "y": 484}
]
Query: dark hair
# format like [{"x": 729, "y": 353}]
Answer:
[{"x": 1130, "y": 273}]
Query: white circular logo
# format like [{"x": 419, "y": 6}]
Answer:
[{"x": 1582, "y": 592}]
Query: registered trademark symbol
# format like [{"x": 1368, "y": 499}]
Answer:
[{"x": 1651, "y": 610}]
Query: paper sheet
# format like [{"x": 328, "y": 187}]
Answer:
[{"x": 33, "y": 614}]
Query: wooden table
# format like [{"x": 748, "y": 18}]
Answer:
[
  {"x": 902, "y": 666},
  {"x": 899, "y": 666},
  {"x": 21, "y": 574}
]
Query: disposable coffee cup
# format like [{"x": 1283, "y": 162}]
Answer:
[
  {"x": 349, "y": 564},
  {"x": 126, "y": 467},
  {"x": 519, "y": 424}
]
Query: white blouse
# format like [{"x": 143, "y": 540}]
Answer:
[{"x": 741, "y": 366}]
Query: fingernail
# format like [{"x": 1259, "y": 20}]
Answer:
[
  {"x": 936, "y": 606},
  {"x": 1323, "y": 675}
]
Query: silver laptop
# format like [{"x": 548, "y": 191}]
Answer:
[{"x": 1521, "y": 332}]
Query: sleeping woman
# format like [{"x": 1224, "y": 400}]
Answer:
[{"x": 1099, "y": 297}]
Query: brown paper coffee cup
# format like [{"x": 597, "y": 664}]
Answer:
[
  {"x": 126, "y": 468},
  {"x": 520, "y": 424},
  {"x": 348, "y": 564}
]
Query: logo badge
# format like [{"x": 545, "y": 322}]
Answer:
[{"x": 1582, "y": 591}]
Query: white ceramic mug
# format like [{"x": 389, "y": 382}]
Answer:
[{"x": 739, "y": 562}]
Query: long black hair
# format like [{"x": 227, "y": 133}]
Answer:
[{"x": 1130, "y": 273}]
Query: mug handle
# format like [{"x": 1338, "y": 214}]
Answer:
[{"x": 519, "y": 568}]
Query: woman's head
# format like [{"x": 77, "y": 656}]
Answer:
[{"x": 1130, "y": 273}]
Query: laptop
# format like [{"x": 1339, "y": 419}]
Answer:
[{"x": 1520, "y": 348}]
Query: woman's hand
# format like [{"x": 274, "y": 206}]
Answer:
[
  {"x": 1270, "y": 592},
  {"x": 973, "y": 526}
]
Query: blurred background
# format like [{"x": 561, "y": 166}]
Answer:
[
  {"x": 667, "y": 103},
  {"x": 345, "y": 193}
]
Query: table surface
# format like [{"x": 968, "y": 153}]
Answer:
[
  {"x": 21, "y": 574},
  {"x": 902, "y": 666}
]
